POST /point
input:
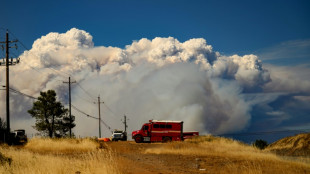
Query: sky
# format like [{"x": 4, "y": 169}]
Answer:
[{"x": 254, "y": 52}]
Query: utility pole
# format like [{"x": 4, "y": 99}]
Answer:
[
  {"x": 7, "y": 86},
  {"x": 99, "y": 115},
  {"x": 70, "y": 103},
  {"x": 125, "y": 123}
]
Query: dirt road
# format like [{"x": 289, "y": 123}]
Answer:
[{"x": 134, "y": 160}]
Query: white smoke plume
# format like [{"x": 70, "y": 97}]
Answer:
[{"x": 149, "y": 79}]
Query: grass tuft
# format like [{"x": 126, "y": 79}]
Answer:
[
  {"x": 235, "y": 157},
  {"x": 61, "y": 146},
  {"x": 61, "y": 156}
]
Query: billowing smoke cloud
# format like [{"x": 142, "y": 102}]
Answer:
[{"x": 149, "y": 79}]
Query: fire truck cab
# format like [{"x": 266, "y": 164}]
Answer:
[{"x": 161, "y": 131}]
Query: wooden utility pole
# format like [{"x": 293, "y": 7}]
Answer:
[
  {"x": 70, "y": 104},
  {"x": 99, "y": 116},
  {"x": 7, "y": 86},
  {"x": 125, "y": 123}
]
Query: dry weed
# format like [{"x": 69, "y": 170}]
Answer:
[
  {"x": 39, "y": 158},
  {"x": 236, "y": 157},
  {"x": 61, "y": 146}
]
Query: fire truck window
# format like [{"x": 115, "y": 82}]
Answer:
[
  {"x": 156, "y": 126},
  {"x": 146, "y": 128},
  {"x": 162, "y": 126},
  {"x": 169, "y": 126}
]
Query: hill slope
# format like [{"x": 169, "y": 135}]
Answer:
[{"x": 298, "y": 145}]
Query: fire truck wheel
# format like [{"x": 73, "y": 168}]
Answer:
[
  {"x": 166, "y": 139},
  {"x": 138, "y": 139}
]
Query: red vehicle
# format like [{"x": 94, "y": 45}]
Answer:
[{"x": 162, "y": 131}]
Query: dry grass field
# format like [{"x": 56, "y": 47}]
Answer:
[
  {"x": 205, "y": 154},
  {"x": 298, "y": 145},
  {"x": 222, "y": 155},
  {"x": 58, "y": 156}
]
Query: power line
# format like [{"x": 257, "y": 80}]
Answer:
[
  {"x": 92, "y": 97},
  {"x": 77, "y": 109},
  {"x": 82, "y": 112},
  {"x": 26, "y": 95},
  {"x": 99, "y": 102},
  {"x": 8, "y": 63},
  {"x": 111, "y": 112},
  {"x": 69, "y": 84},
  {"x": 55, "y": 70},
  {"x": 109, "y": 109},
  {"x": 106, "y": 125},
  {"x": 125, "y": 123},
  {"x": 2, "y": 52},
  {"x": 25, "y": 49},
  {"x": 21, "y": 93},
  {"x": 61, "y": 73},
  {"x": 19, "y": 40},
  {"x": 83, "y": 98}
]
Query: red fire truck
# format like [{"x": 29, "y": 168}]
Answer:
[{"x": 162, "y": 131}]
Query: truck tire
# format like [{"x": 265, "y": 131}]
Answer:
[
  {"x": 166, "y": 139},
  {"x": 138, "y": 139}
]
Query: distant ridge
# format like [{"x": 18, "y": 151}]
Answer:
[{"x": 298, "y": 145}]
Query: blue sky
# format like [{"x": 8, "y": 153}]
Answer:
[
  {"x": 229, "y": 26},
  {"x": 277, "y": 31}
]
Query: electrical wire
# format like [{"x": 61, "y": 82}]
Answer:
[
  {"x": 53, "y": 69},
  {"x": 23, "y": 94},
  {"x": 106, "y": 125},
  {"x": 10, "y": 32},
  {"x": 60, "y": 73},
  {"x": 92, "y": 97},
  {"x": 111, "y": 111},
  {"x": 83, "y": 98},
  {"x": 82, "y": 112},
  {"x": 77, "y": 109},
  {"x": 23, "y": 45}
]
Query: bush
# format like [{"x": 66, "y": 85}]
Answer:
[
  {"x": 261, "y": 144},
  {"x": 4, "y": 159}
]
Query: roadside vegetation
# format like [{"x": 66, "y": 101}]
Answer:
[
  {"x": 57, "y": 156},
  {"x": 223, "y": 155},
  {"x": 298, "y": 145},
  {"x": 61, "y": 146},
  {"x": 203, "y": 154}
]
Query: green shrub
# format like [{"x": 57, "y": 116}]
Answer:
[{"x": 261, "y": 144}]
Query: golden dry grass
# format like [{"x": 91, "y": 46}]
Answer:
[
  {"x": 233, "y": 156},
  {"x": 212, "y": 154},
  {"x": 298, "y": 145},
  {"x": 61, "y": 146},
  {"x": 209, "y": 145},
  {"x": 58, "y": 156}
]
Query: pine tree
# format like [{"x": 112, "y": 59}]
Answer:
[{"x": 51, "y": 116}]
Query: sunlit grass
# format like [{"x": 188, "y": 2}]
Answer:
[
  {"x": 236, "y": 157},
  {"x": 59, "y": 156},
  {"x": 298, "y": 145},
  {"x": 61, "y": 146}
]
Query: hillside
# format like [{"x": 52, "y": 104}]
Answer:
[
  {"x": 203, "y": 154},
  {"x": 298, "y": 145}
]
